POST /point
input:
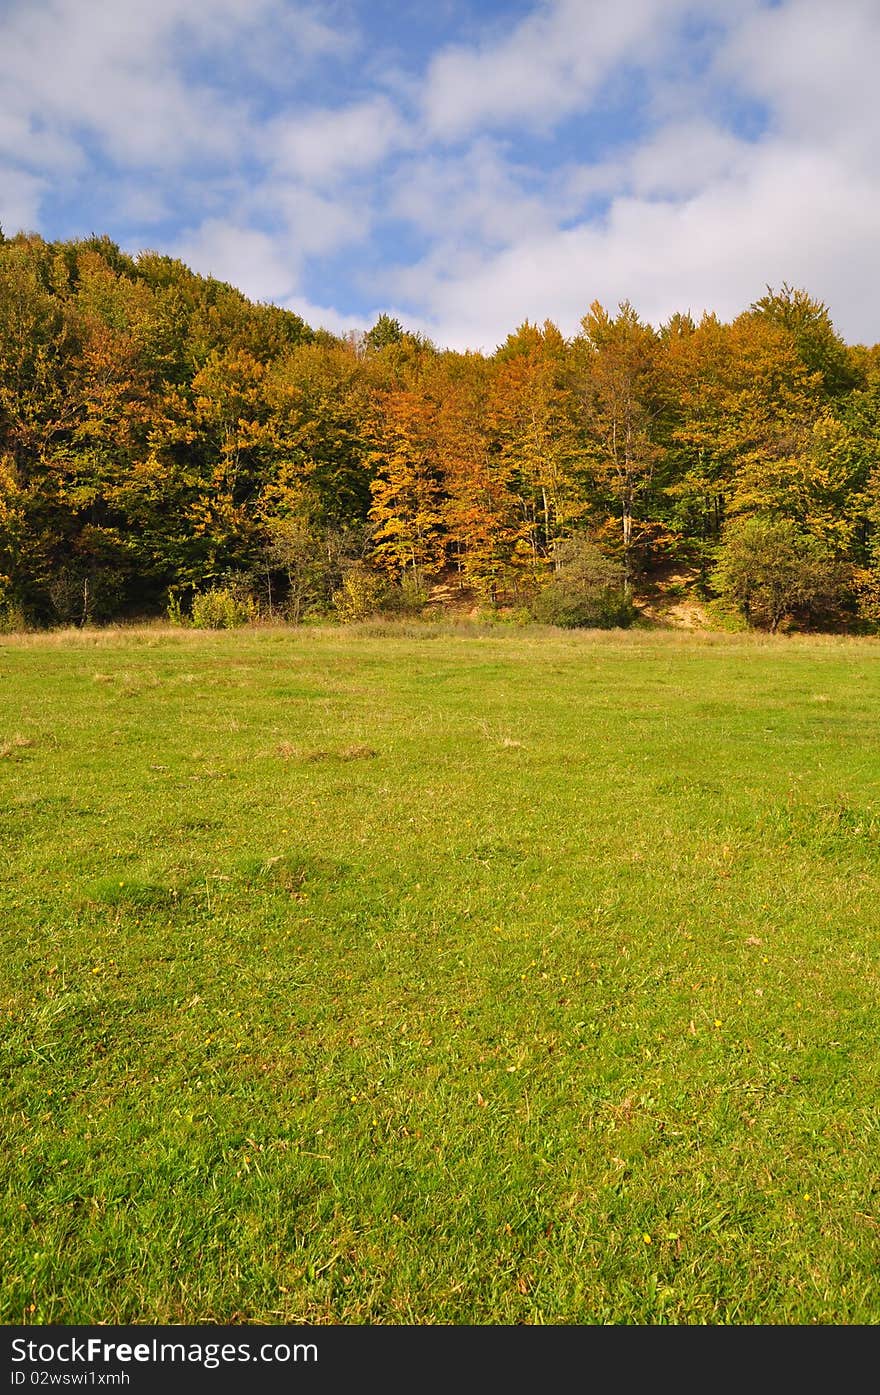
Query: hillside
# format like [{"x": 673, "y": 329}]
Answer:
[{"x": 161, "y": 437}]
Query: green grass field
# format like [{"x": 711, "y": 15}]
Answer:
[{"x": 411, "y": 976}]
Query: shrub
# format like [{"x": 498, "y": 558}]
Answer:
[
  {"x": 221, "y": 609},
  {"x": 868, "y": 587},
  {"x": 12, "y": 619},
  {"x": 361, "y": 595},
  {"x": 771, "y": 571},
  {"x": 174, "y": 611},
  {"x": 413, "y": 595},
  {"x": 407, "y": 598},
  {"x": 81, "y": 594},
  {"x": 586, "y": 591}
]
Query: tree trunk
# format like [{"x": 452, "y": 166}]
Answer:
[{"x": 627, "y": 546}]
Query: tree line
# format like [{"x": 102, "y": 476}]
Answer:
[{"x": 168, "y": 446}]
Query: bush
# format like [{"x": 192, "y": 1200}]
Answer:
[
  {"x": 868, "y": 587},
  {"x": 81, "y": 594},
  {"x": 586, "y": 591},
  {"x": 361, "y": 595},
  {"x": 221, "y": 609},
  {"x": 174, "y": 610},
  {"x": 12, "y": 619},
  {"x": 770, "y": 571},
  {"x": 518, "y": 615},
  {"x": 413, "y": 595}
]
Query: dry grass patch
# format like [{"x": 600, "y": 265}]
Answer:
[
  {"x": 499, "y": 737},
  {"x": 288, "y": 751},
  {"x": 358, "y": 752},
  {"x": 10, "y": 749}
]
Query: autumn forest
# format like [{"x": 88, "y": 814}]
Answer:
[{"x": 168, "y": 447}]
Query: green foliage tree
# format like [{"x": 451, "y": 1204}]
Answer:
[
  {"x": 771, "y": 571},
  {"x": 623, "y": 399},
  {"x": 868, "y": 576},
  {"x": 586, "y": 589},
  {"x": 387, "y": 330},
  {"x": 808, "y": 323}
]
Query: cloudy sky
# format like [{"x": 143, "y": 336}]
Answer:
[{"x": 464, "y": 165}]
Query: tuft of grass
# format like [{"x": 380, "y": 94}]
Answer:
[
  {"x": 439, "y": 973},
  {"x": 15, "y": 745},
  {"x": 357, "y": 751},
  {"x": 141, "y": 895}
]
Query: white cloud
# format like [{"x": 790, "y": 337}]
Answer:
[
  {"x": 272, "y": 37},
  {"x": 20, "y": 195},
  {"x": 122, "y": 74},
  {"x": 196, "y": 114},
  {"x": 478, "y": 197},
  {"x": 327, "y": 317},
  {"x": 692, "y": 216},
  {"x": 550, "y": 65},
  {"x": 815, "y": 65},
  {"x": 99, "y": 69},
  {"x": 248, "y": 259},
  {"x": 38, "y": 148},
  {"x": 684, "y": 158},
  {"x": 792, "y": 215},
  {"x": 314, "y": 223},
  {"x": 141, "y": 204},
  {"x": 320, "y": 146}
]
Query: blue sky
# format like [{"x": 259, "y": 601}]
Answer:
[{"x": 462, "y": 165}]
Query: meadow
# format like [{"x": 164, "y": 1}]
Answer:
[{"x": 430, "y": 975}]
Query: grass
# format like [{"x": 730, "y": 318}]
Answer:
[{"x": 403, "y": 975}]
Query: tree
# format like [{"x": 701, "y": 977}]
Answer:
[
  {"x": 740, "y": 407},
  {"x": 809, "y": 325},
  {"x": 868, "y": 577},
  {"x": 159, "y": 431},
  {"x": 385, "y": 331},
  {"x": 622, "y": 396},
  {"x": 817, "y": 484},
  {"x": 532, "y": 419},
  {"x": 304, "y": 556},
  {"x": 319, "y": 405},
  {"x": 585, "y": 591},
  {"x": 772, "y": 571},
  {"x": 406, "y": 511},
  {"x": 479, "y": 506}
]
